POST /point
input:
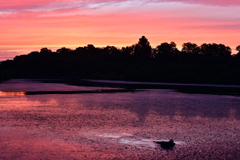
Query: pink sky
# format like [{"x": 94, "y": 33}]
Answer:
[{"x": 28, "y": 25}]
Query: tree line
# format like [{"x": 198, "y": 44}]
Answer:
[{"x": 208, "y": 63}]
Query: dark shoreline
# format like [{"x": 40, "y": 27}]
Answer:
[
  {"x": 79, "y": 92},
  {"x": 133, "y": 85}
]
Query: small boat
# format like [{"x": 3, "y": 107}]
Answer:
[{"x": 166, "y": 144}]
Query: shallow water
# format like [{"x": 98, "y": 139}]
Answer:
[{"x": 115, "y": 125}]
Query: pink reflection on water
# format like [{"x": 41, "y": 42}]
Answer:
[
  {"x": 11, "y": 93},
  {"x": 17, "y": 103},
  {"x": 119, "y": 125}
]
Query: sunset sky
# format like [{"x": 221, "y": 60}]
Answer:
[{"x": 29, "y": 25}]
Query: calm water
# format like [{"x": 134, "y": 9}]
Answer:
[{"x": 115, "y": 125}]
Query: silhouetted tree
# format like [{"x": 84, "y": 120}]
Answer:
[
  {"x": 110, "y": 49},
  {"x": 129, "y": 50},
  {"x": 191, "y": 48},
  {"x": 215, "y": 50},
  {"x": 45, "y": 50},
  {"x": 238, "y": 54},
  {"x": 209, "y": 63},
  {"x": 64, "y": 50},
  {"x": 142, "y": 49},
  {"x": 167, "y": 52},
  {"x": 190, "y": 53},
  {"x": 34, "y": 53},
  {"x": 238, "y": 48},
  {"x": 115, "y": 54},
  {"x": 91, "y": 48},
  {"x": 215, "y": 53}
]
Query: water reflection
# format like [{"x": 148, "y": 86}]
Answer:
[
  {"x": 233, "y": 114},
  {"x": 175, "y": 105},
  {"x": 135, "y": 109},
  {"x": 129, "y": 120},
  {"x": 161, "y": 102},
  {"x": 11, "y": 93}
]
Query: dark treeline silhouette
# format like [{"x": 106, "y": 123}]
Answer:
[{"x": 208, "y": 63}]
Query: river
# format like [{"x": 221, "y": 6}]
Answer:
[{"x": 80, "y": 122}]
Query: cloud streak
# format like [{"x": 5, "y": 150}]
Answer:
[
  {"x": 53, "y": 5},
  {"x": 204, "y": 2},
  {"x": 15, "y": 6}
]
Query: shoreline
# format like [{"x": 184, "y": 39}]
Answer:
[
  {"x": 179, "y": 87},
  {"x": 161, "y": 84},
  {"x": 128, "y": 86}
]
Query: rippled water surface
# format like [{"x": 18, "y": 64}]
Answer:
[{"x": 115, "y": 125}]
